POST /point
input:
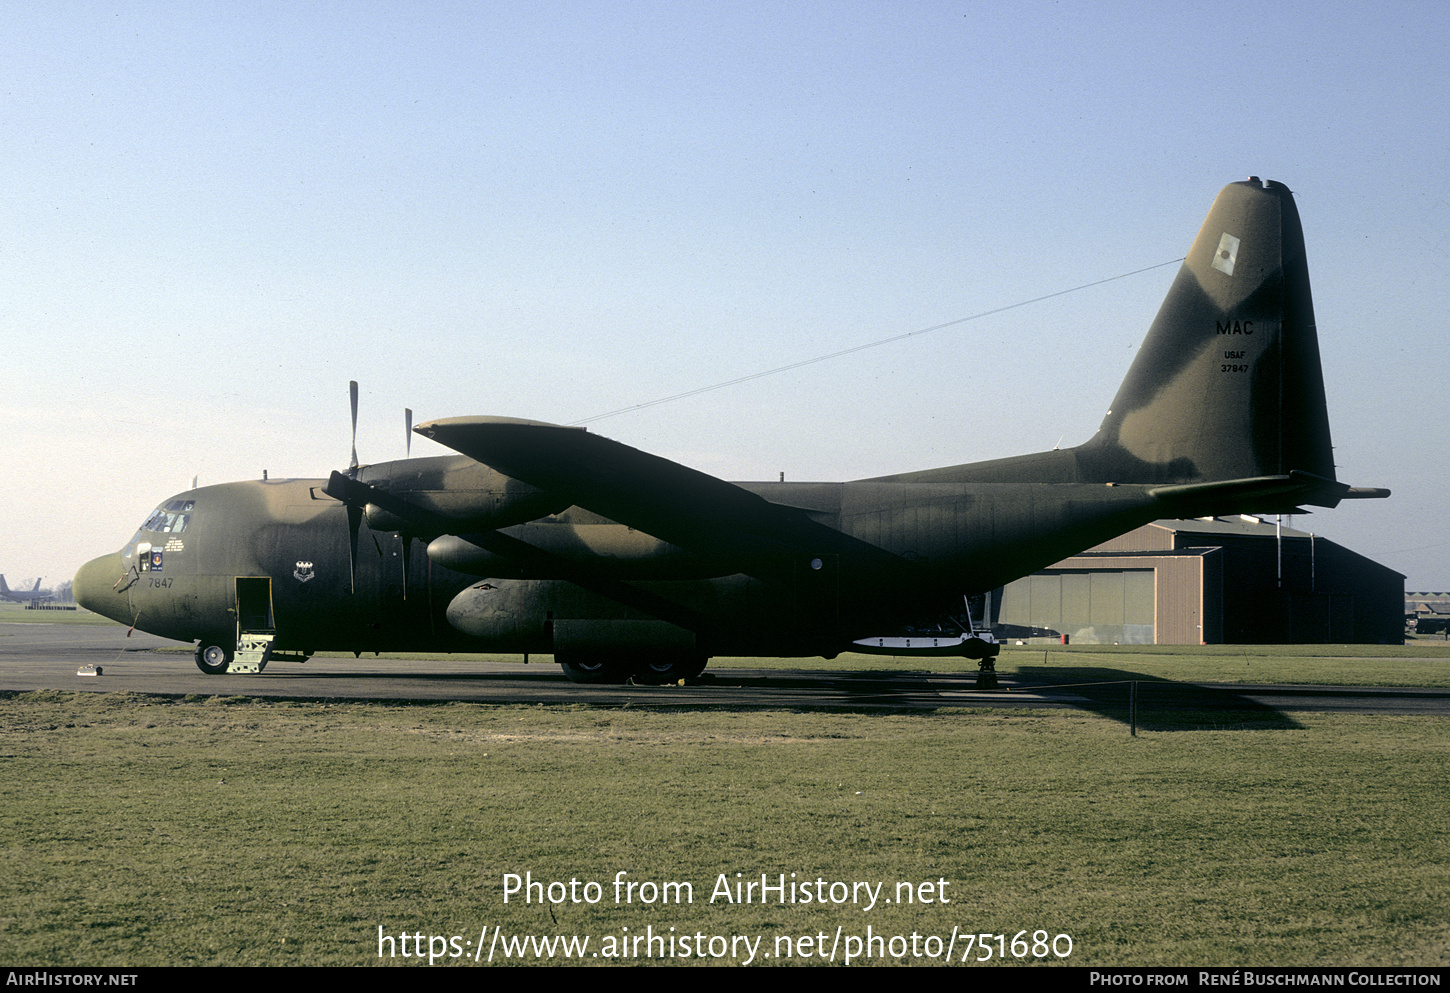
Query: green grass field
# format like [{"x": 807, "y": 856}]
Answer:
[
  {"x": 217, "y": 831},
  {"x": 15, "y": 613}
]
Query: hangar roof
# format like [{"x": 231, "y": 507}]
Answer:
[{"x": 1242, "y": 524}]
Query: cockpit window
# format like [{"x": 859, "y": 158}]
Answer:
[{"x": 165, "y": 520}]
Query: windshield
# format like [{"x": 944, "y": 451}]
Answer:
[{"x": 171, "y": 518}]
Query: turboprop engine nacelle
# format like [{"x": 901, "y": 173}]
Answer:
[{"x": 443, "y": 495}]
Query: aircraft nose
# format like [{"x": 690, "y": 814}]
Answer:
[{"x": 95, "y": 588}]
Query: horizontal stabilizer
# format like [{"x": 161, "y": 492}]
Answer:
[{"x": 1261, "y": 494}]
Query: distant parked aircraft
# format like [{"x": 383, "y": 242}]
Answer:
[{"x": 24, "y": 596}]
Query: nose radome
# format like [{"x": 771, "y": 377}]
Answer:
[{"x": 95, "y": 588}]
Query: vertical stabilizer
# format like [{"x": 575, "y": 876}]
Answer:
[{"x": 1227, "y": 384}]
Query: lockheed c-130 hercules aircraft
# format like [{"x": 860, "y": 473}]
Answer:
[{"x": 549, "y": 539}]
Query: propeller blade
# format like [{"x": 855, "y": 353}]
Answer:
[
  {"x": 407, "y": 551},
  {"x": 352, "y": 495},
  {"x": 408, "y": 428},
  {"x": 354, "y": 521},
  {"x": 352, "y": 390}
]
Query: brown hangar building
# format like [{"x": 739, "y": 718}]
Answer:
[{"x": 1239, "y": 580}]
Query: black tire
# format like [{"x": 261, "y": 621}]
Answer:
[
  {"x": 592, "y": 669},
  {"x": 671, "y": 670},
  {"x": 212, "y": 659},
  {"x": 976, "y": 648}
]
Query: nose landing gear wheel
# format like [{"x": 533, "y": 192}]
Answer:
[{"x": 212, "y": 659}]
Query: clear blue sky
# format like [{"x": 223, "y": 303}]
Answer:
[{"x": 215, "y": 215}]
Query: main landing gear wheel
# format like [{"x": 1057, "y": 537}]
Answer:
[
  {"x": 986, "y": 655},
  {"x": 212, "y": 659},
  {"x": 592, "y": 668},
  {"x": 671, "y": 670}
]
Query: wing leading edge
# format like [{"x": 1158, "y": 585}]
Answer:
[{"x": 673, "y": 502}]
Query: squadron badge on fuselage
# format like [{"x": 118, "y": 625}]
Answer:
[{"x": 303, "y": 572}]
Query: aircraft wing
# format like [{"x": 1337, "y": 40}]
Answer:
[{"x": 673, "y": 502}]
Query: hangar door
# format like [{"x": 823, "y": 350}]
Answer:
[{"x": 1108, "y": 607}]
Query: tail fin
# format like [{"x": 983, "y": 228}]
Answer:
[
  {"x": 3, "y": 588},
  {"x": 1223, "y": 409},
  {"x": 1227, "y": 384}
]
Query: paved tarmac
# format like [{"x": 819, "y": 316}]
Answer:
[{"x": 47, "y": 656}]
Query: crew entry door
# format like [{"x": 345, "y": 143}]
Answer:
[{"x": 255, "y": 627}]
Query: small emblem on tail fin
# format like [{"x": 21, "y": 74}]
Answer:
[{"x": 1228, "y": 250}]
